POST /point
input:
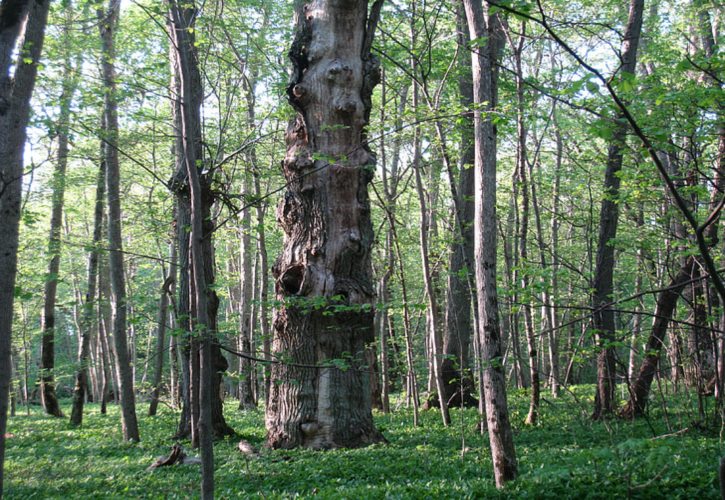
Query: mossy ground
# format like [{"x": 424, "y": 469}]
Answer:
[{"x": 565, "y": 456}]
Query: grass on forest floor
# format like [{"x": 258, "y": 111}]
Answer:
[{"x": 565, "y": 456}]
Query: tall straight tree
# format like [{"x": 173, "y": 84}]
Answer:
[
  {"x": 459, "y": 324},
  {"x": 183, "y": 25},
  {"x": 486, "y": 35},
  {"x": 320, "y": 395},
  {"x": 16, "y": 89},
  {"x": 603, "y": 286},
  {"x": 108, "y": 21},
  {"x": 47, "y": 347}
]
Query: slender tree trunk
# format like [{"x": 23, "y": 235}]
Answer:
[
  {"x": 15, "y": 92},
  {"x": 190, "y": 349},
  {"x": 89, "y": 306},
  {"x": 47, "y": 357},
  {"x": 325, "y": 215},
  {"x": 107, "y": 24},
  {"x": 190, "y": 128},
  {"x": 486, "y": 27},
  {"x": 603, "y": 317},
  {"x": 246, "y": 392},
  {"x": 110, "y": 375},
  {"x": 456, "y": 369},
  {"x": 522, "y": 181},
  {"x": 637, "y": 320},
  {"x": 263, "y": 284},
  {"x": 161, "y": 331},
  {"x": 666, "y": 302},
  {"x": 435, "y": 342}
]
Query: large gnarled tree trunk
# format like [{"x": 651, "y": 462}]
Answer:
[{"x": 320, "y": 396}]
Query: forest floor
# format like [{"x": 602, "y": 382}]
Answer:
[{"x": 565, "y": 456}]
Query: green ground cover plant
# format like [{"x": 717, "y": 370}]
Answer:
[{"x": 565, "y": 456}]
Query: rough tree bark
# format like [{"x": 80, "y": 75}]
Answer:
[
  {"x": 320, "y": 395},
  {"x": 15, "y": 91},
  {"x": 485, "y": 33},
  {"x": 603, "y": 286}
]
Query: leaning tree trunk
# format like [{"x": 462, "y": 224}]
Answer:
[
  {"x": 108, "y": 21},
  {"x": 320, "y": 395},
  {"x": 666, "y": 302},
  {"x": 603, "y": 316},
  {"x": 15, "y": 92},
  {"x": 486, "y": 34}
]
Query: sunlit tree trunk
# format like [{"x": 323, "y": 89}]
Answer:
[
  {"x": 485, "y": 33},
  {"x": 108, "y": 21},
  {"x": 323, "y": 277}
]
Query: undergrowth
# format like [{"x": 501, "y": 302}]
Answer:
[{"x": 565, "y": 456}]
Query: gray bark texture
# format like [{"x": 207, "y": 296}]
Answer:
[
  {"x": 15, "y": 92},
  {"x": 188, "y": 424},
  {"x": 107, "y": 24},
  {"x": 319, "y": 393},
  {"x": 488, "y": 28}
]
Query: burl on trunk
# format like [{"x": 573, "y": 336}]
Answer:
[{"x": 320, "y": 394}]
